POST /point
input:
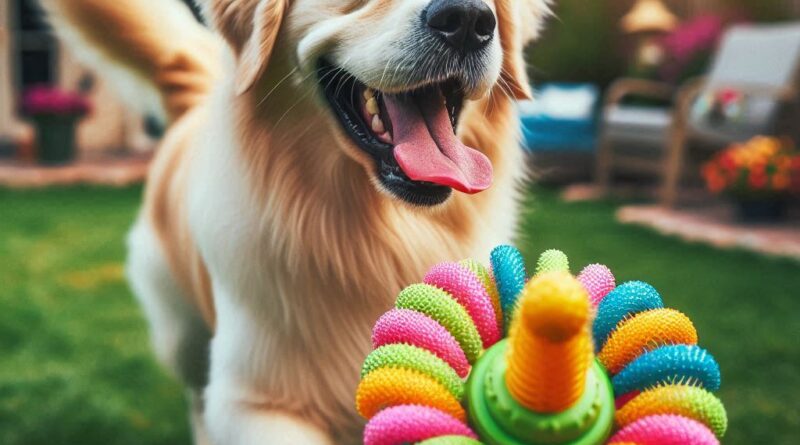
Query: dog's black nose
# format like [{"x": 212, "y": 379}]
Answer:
[{"x": 467, "y": 25}]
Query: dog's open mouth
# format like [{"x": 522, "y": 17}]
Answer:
[{"x": 410, "y": 135}]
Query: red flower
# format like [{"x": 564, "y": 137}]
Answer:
[
  {"x": 794, "y": 187},
  {"x": 764, "y": 165},
  {"x": 728, "y": 95},
  {"x": 757, "y": 181},
  {"x": 726, "y": 161}
]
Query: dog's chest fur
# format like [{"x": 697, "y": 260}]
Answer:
[{"x": 304, "y": 256}]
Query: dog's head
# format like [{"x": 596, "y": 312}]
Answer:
[{"x": 393, "y": 75}]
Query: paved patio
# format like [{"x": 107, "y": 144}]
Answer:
[
  {"x": 704, "y": 219},
  {"x": 717, "y": 226},
  {"x": 112, "y": 171}
]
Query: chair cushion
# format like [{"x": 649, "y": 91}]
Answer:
[
  {"x": 638, "y": 124},
  {"x": 760, "y": 55},
  {"x": 563, "y": 101},
  {"x": 754, "y": 55},
  {"x": 725, "y": 116},
  {"x": 559, "y": 135},
  {"x": 561, "y": 118}
]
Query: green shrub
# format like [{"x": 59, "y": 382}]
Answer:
[{"x": 582, "y": 43}]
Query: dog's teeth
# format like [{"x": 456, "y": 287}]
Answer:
[
  {"x": 377, "y": 125},
  {"x": 385, "y": 137},
  {"x": 369, "y": 93},
  {"x": 372, "y": 106}
]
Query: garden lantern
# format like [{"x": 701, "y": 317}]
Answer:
[{"x": 647, "y": 21}]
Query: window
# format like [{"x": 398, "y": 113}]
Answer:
[{"x": 35, "y": 53}]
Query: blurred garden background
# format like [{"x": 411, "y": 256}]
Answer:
[{"x": 663, "y": 141}]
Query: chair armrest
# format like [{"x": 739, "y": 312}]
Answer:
[
  {"x": 691, "y": 89},
  {"x": 688, "y": 93},
  {"x": 625, "y": 87}
]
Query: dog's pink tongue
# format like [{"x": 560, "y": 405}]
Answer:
[{"x": 426, "y": 148}]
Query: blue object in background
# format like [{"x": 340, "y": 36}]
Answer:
[{"x": 563, "y": 117}]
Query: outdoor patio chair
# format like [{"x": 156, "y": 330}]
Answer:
[{"x": 759, "y": 63}]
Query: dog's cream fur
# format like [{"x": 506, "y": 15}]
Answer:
[{"x": 263, "y": 243}]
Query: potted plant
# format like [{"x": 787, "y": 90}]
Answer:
[
  {"x": 760, "y": 175},
  {"x": 55, "y": 114},
  {"x": 689, "y": 48}
]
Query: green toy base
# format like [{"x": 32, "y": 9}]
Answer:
[{"x": 588, "y": 422}]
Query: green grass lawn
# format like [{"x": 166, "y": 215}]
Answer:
[{"x": 76, "y": 367}]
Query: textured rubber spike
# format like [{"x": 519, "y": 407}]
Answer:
[
  {"x": 644, "y": 332},
  {"x": 665, "y": 430},
  {"x": 469, "y": 292},
  {"x": 669, "y": 364},
  {"x": 598, "y": 281},
  {"x": 488, "y": 283},
  {"x": 386, "y": 387},
  {"x": 508, "y": 267},
  {"x": 440, "y": 306},
  {"x": 406, "y": 424},
  {"x": 413, "y": 328},
  {"x": 682, "y": 400},
  {"x": 552, "y": 260},
  {"x": 417, "y": 359},
  {"x": 623, "y": 302}
]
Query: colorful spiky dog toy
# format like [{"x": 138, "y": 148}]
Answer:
[{"x": 582, "y": 359}]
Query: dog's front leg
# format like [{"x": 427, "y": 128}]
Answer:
[
  {"x": 233, "y": 422},
  {"x": 248, "y": 400}
]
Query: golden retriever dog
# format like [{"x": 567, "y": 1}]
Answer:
[{"x": 320, "y": 155}]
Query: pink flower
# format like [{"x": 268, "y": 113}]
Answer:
[
  {"x": 694, "y": 36},
  {"x": 689, "y": 41},
  {"x": 44, "y": 100}
]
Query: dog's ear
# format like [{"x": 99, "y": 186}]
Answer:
[
  {"x": 255, "y": 53},
  {"x": 250, "y": 27},
  {"x": 518, "y": 23},
  {"x": 532, "y": 16}
]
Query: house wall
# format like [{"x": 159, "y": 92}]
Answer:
[
  {"x": 109, "y": 128},
  {"x": 9, "y": 126},
  {"x": 105, "y": 128}
]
